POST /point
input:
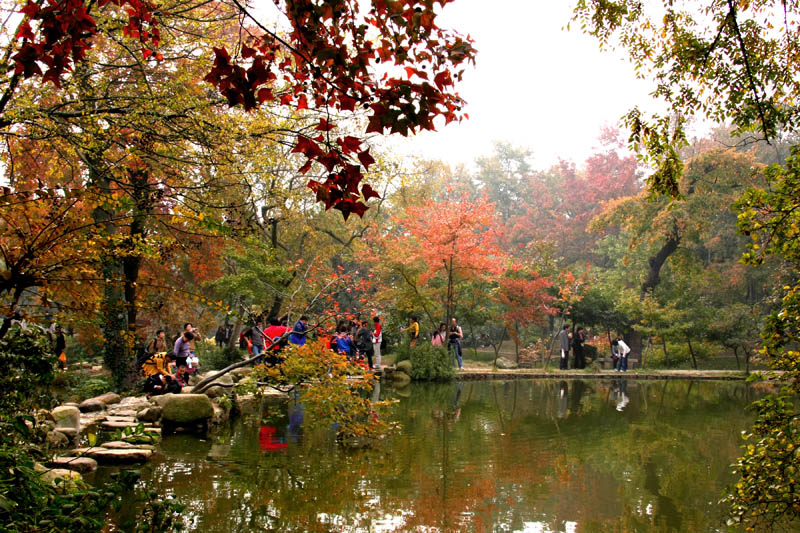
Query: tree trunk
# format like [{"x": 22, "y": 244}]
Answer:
[
  {"x": 736, "y": 354},
  {"x": 657, "y": 261},
  {"x": 691, "y": 351},
  {"x": 666, "y": 355}
]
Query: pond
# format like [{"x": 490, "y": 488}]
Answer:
[{"x": 539, "y": 455}]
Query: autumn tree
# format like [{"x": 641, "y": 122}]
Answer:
[{"x": 440, "y": 244}]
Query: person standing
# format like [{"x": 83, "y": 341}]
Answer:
[
  {"x": 364, "y": 342},
  {"x": 298, "y": 336},
  {"x": 622, "y": 351},
  {"x": 182, "y": 348},
  {"x": 413, "y": 331},
  {"x": 158, "y": 344},
  {"x": 60, "y": 349},
  {"x": 577, "y": 349},
  {"x": 563, "y": 340},
  {"x": 440, "y": 335},
  {"x": 219, "y": 337},
  {"x": 454, "y": 342},
  {"x": 377, "y": 338},
  {"x": 257, "y": 339}
]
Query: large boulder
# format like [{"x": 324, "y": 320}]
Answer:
[
  {"x": 109, "y": 398},
  {"x": 505, "y": 364},
  {"x": 68, "y": 417},
  {"x": 186, "y": 408},
  {"x": 404, "y": 366}
]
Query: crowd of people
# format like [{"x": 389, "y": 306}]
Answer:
[{"x": 168, "y": 370}]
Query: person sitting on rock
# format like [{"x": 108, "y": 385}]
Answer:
[
  {"x": 156, "y": 369},
  {"x": 162, "y": 384},
  {"x": 182, "y": 376}
]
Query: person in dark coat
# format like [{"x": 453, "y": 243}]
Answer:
[
  {"x": 563, "y": 340},
  {"x": 577, "y": 348}
]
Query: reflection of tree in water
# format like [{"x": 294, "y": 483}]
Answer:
[{"x": 482, "y": 456}]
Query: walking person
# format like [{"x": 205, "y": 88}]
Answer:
[
  {"x": 257, "y": 338},
  {"x": 377, "y": 339},
  {"x": 563, "y": 340},
  {"x": 298, "y": 336},
  {"x": 454, "y": 342},
  {"x": 579, "y": 361},
  {"x": 622, "y": 350},
  {"x": 182, "y": 348}
]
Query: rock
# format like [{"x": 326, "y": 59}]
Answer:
[
  {"x": 97, "y": 368},
  {"x": 70, "y": 433},
  {"x": 132, "y": 403},
  {"x": 67, "y": 417},
  {"x": 78, "y": 464},
  {"x": 404, "y": 366},
  {"x": 194, "y": 379},
  {"x": 91, "y": 405},
  {"x": 217, "y": 392},
  {"x": 505, "y": 364},
  {"x": 109, "y": 398},
  {"x": 61, "y": 476},
  {"x": 122, "y": 445},
  {"x": 149, "y": 414},
  {"x": 56, "y": 439},
  {"x": 86, "y": 364},
  {"x": 400, "y": 379},
  {"x": 119, "y": 456},
  {"x": 186, "y": 408},
  {"x": 161, "y": 399},
  {"x": 118, "y": 424},
  {"x": 239, "y": 373},
  {"x": 119, "y": 418},
  {"x": 221, "y": 414},
  {"x": 130, "y": 413}
]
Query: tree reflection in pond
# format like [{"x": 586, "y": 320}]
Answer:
[{"x": 518, "y": 455}]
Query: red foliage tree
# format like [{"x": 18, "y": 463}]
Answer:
[{"x": 391, "y": 62}]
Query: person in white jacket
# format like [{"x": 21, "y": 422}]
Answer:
[{"x": 622, "y": 350}]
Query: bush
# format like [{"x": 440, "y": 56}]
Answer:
[
  {"x": 428, "y": 363},
  {"x": 212, "y": 357},
  {"x": 679, "y": 354}
]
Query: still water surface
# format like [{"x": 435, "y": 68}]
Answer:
[{"x": 541, "y": 455}]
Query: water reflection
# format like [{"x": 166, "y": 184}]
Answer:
[{"x": 549, "y": 455}]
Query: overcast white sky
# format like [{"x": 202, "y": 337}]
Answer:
[{"x": 535, "y": 84}]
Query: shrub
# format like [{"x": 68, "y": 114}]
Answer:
[
  {"x": 212, "y": 357},
  {"x": 428, "y": 363}
]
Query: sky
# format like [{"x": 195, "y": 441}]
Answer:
[{"x": 535, "y": 85}]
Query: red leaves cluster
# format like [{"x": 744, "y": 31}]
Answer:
[
  {"x": 63, "y": 33},
  {"x": 328, "y": 62}
]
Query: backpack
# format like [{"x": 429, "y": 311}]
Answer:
[{"x": 143, "y": 357}]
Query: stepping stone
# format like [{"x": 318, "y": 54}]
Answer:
[
  {"x": 119, "y": 424},
  {"x": 78, "y": 464},
  {"x": 119, "y": 456},
  {"x": 119, "y": 418},
  {"x": 123, "y": 412},
  {"x": 122, "y": 445}
]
